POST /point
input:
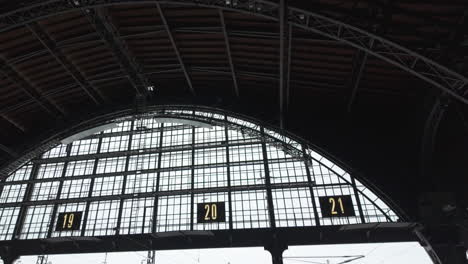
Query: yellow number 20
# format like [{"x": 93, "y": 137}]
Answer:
[{"x": 211, "y": 212}]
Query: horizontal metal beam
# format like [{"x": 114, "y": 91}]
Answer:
[
  {"x": 416, "y": 64},
  {"x": 48, "y": 105},
  {"x": 51, "y": 46},
  {"x": 176, "y": 49},
  {"x": 8, "y": 151},
  {"x": 127, "y": 62}
]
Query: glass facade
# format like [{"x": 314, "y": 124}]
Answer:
[{"x": 146, "y": 176}]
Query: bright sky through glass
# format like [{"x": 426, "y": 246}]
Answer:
[{"x": 378, "y": 253}]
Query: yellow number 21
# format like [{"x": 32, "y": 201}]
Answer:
[{"x": 333, "y": 204}]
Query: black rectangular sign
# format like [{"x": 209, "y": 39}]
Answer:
[
  {"x": 211, "y": 212},
  {"x": 68, "y": 221},
  {"x": 337, "y": 206}
]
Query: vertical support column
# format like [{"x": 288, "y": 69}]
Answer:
[
  {"x": 9, "y": 258},
  {"x": 59, "y": 191},
  {"x": 192, "y": 187},
  {"x": 271, "y": 211},
  {"x": 311, "y": 183},
  {"x": 158, "y": 177},
  {"x": 91, "y": 186},
  {"x": 124, "y": 183},
  {"x": 276, "y": 250},
  {"x": 226, "y": 135}
]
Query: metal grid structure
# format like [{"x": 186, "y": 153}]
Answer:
[{"x": 147, "y": 175}]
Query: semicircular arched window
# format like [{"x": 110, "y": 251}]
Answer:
[{"x": 176, "y": 169}]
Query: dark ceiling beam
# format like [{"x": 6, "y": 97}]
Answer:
[
  {"x": 41, "y": 34},
  {"x": 13, "y": 122},
  {"x": 228, "y": 50},
  {"x": 102, "y": 25},
  {"x": 48, "y": 105},
  {"x": 8, "y": 151},
  {"x": 176, "y": 49}
]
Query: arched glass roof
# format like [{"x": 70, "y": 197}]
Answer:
[{"x": 180, "y": 170}]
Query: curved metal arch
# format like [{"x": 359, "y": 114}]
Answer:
[{"x": 424, "y": 68}]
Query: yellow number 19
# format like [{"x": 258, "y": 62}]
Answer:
[{"x": 68, "y": 221}]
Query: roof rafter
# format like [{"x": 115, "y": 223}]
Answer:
[
  {"x": 412, "y": 62},
  {"x": 13, "y": 122},
  {"x": 176, "y": 49},
  {"x": 40, "y": 33},
  {"x": 228, "y": 50},
  {"x": 127, "y": 62},
  {"x": 359, "y": 64},
  {"x": 8, "y": 151},
  {"x": 48, "y": 105}
]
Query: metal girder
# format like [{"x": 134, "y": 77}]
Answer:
[
  {"x": 51, "y": 47},
  {"x": 431, "y": 127},
  {"x": 13, "y": 122},
  {"x": 228, "y": 50},
  {"x": 424, "y": 68},
  {"x": 176, "y": 49},
  {"x": 48, "y": 105},
  {"x": 127, "y": 62},
  {"x": 359, "y": 64}
]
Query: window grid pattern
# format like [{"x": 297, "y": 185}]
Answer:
[
  {"x": 173, "y": 213},
  {"x": 102, "y": 218},
  {"x": 21, "y": 174},
  {"x": 249, "y": 209},
  {"x": 13, "y": 193},
  {"x": 137, "y": 216},
  {"x": 292, "y": 203},
  {"x": 37, "y": 221},
  {"x": 177, "y": 137},
  {"x": 50, "y": 170},
  {"x": 141, "y": 183},
  {"x": 45, "y": 190},
  {"x": 58, "y": 151},
  {"x": 81, "y": 167},
  {"x": 8, "y": 218},
  {"x": 75, "y": 188},
  {"x": 175, "y": 180},
  {"x": 293, "y": 207},
  {"x": 105, "y": 186},
  {"x": 84, "y": 147},
  {"x": 111, "y": 144}
]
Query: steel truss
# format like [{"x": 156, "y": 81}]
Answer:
[{"x": 424, "y": 68}]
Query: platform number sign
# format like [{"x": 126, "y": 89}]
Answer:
[
  {"x": 336, "y": 206},
  {"x": 211, "y": 212},
  {"x": 68, "y": 221}
]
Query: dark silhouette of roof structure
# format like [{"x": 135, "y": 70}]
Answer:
[{"x": 379, "y": 84}]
